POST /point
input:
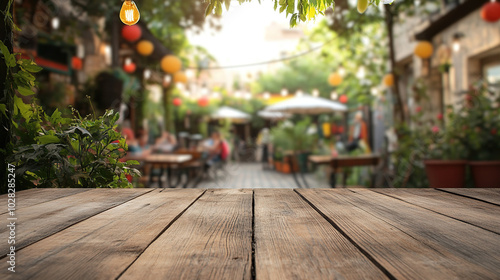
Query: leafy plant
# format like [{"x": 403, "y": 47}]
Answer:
[{"x": 72, "y": 152}]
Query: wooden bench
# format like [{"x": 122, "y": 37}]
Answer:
[{"x": 344, "y": 161}]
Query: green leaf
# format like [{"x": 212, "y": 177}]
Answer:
[
  {"x": 48, "y": 139},
  {"x": 25, "y": 91},
  {"x": 228, "y": 2},
  {"x": 3, "y": 109},
  {"x": 29, "y": 65}
]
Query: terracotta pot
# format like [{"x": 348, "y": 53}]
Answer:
[
  {"x": 446, "y": 173},
  {"x": 277, "y": 165},
  {"x": 285, "y": 167},
  {"x": 486, "y": 173}
]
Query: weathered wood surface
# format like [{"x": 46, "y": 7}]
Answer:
[
  {"x": 443, "y": 234},
  {"x": 255, "y": 234},
  {"x": 44, "y": 219},
  {"x": 398, "y": 251},
  {"x": 471, "y": 211},
  {"x": 32, "y": 197},
  {"x": 217, "y": 229},
  {"x": 293, "y": 241},
  {"x": 104, "y": 245},
  {"x": 488, "y": 195}
]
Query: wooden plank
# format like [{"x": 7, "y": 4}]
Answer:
[
  {"x": 488, "y": 195},
  {"x": 293, "y": 241},
  {"x": 403, "y": 256},
  {"x": 32, "y": 197},
  {"x": 211, "y": 240},
  {"x": 41, "y": 220},
  {"x": 471, "y": 211},
  {"x": 103, "y": 246},
  {"x": 443, "y": 234}
]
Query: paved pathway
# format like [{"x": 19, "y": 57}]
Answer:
[{"x": 251, "y": 175}]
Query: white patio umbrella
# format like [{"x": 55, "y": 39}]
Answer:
[
  {"x": 273, "y": 115},
  {"x": 307, "y": 104},
  {"x": 232, "y": 114}
]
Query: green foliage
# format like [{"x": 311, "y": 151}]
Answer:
[
  {"x": 55, "y": 151},
  {"x": 290, "y": 137}
]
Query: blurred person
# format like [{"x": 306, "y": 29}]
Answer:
[
  {"x": 358, "y": 134},
  {"x": 264, "y": 140},
  {"x": 216, "y": 149},
  {"x": 166, "y": 143}
]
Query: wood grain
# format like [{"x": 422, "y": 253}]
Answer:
[
  {"x": 293, "y": 241},
  {"x": 471, "y": 211},
  {"x": 489, "y": 195},
  {"x": 443, "y": 234},
  {"x": 32, "y": 197},
  {"x": 41, "y": 220},
  {"x": 401, "y": 254},
  {"x": 211, "y": 240},
  {"x": 103, "y": 246}
]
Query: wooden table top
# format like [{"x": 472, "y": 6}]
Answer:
[
  {"x": 168, "y": 158},
  {"x": 345, "y": 160},
  {"x": 254, "y": 234}
]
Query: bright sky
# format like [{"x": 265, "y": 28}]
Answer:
[{"x": 242, "y": 37}]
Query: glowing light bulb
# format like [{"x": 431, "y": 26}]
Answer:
[
  {"x": 284, "y": 92},
  {"x": 129, "y": 14}
]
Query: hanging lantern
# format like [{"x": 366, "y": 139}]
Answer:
[
  {"x": 343, "y": 98},
  {"x": 180, "y": 77},
  {"x": 129, "y": 14},
  {"x": 389, "y": 80},
  {"x": 145, "y": 47},
  {"x": 129, "y": 68},
  {"x": 491, "y": 12},
  {"x": 203, "y": 102},
  {"x": 76, "y": 63},
  {"x": 131, "y": 33},
  {"x": 171, "y": 64},
  {"x": 177, "y": 102},
  {"x": 326, "y": 130},
  {"x": 335, "y": 79},
  {"x": 424, "y": 49},
  {"x": 340, "y": 129}
]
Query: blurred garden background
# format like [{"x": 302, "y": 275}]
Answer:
[{"x": 267, "y": 93}]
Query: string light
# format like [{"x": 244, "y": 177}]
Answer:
[
  {"x": 334, "y": 96},
  {"x": 315, "y": 92},
  {"x": 129, "y": 14},
  {"x": 284, "y": 92},
  {"x": 266, "y": 95}
]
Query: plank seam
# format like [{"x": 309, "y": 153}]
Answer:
[
  {"x": 162, "y": 232},
  {"x": 466, "y": 196},
  {"x": 77, "y": 222},
  {"x": 363, "y": 251},
  {"x": 253, "y": 269},
  {"x": 453, "y": 218}
]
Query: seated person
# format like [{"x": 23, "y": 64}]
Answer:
[
  {"x": 166, "y": 143},
  {"x": 215, "y": 149}
]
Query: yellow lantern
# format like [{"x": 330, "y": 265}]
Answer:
[
  {"x": 327, "y": 130},
  {"x": 145, "y": 47},
  {"x": 335, "y": 79},
  {"x": 171, "y": 64},
  {"x": 389, "y": 80},
  {"x": 424, "y": 49},
  {"x": 180, "y": 77}
]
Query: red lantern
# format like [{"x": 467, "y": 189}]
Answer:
[
  {"x": 129, "y": 68},
  {"x": 76, "y": 63},
  {"x": 343, "y": 99},
  {"x": 203, "y": 102},
  {"x": 177, "y": 102},
  {"x": 340, "y": 129},
  {"x": 491, "y": 12},
  {"x": 131, "y": 33}
]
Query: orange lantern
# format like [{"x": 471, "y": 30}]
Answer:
[
  {"x": 145, "y": 47},
  {"x": 335, "y": 79},
  {"x": 177, "y": 102},
  {"x": 131, "y": 33},
  {"x": 491, "y": 12},
  {"x": 203, "y": 102},
  {"x": 76, "y": 63},
  {"x": 129, "y": 68},
  {"x": 343, "y": 98},
  {"x": 171, "y": 64},
  {"x": 180, "y": 77},
  {"x": 389, "y": 80},
  {"x": 424, "y": 49}
]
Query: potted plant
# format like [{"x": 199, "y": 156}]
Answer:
[
  {"x": 442, "y": 154},
  {"x": 301, "y": 143},
  {"x": 480, "y": 133}
]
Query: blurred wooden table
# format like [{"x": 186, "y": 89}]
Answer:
[
  {"x": 254, "y": 234},
  {"x": 165, "y": 162},
  {"x": 344, "y": 161}
]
